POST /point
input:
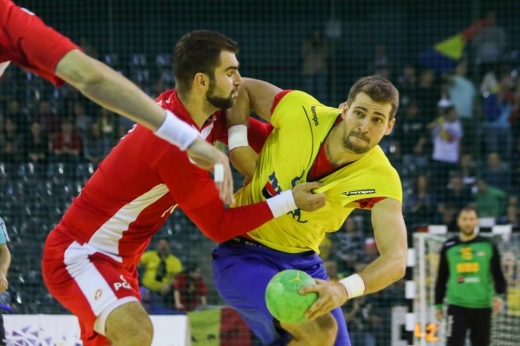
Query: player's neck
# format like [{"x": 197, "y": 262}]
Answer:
[
  {"x": 463, "y": 237},
  {"x": 335, "y": 151},
  {"x": 199, "y": 110}
]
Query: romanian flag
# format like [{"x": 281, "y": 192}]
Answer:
[
  {"x": 445, "y": 54},
  {"x": 218, "y": 327}
]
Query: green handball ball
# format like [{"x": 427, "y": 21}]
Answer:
[{"x": 283, "y": 299}]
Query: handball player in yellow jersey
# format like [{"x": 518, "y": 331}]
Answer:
[{"x": 339, "y": 148}]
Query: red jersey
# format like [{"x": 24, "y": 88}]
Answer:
[
  {"x": 29, "y": 43},
  {"x": 142, "y": 181},
  {"x": 190, "y": 290}
]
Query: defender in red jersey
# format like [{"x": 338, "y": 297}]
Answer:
[
  {"x": 26, "y": 41},
  {"x": 90, "y": 257}
]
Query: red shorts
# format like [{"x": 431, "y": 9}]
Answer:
[{"x": 88, "y": 283}]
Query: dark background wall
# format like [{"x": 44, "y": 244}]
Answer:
[{"x": 270, "y": 33}]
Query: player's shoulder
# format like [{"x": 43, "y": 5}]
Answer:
[
  {"x": 165, "y": 98},
  {"x": 450, "y": 242}
]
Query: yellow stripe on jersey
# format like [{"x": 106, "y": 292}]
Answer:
[{"x": 301, "y": 126}]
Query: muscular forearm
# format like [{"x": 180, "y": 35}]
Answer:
[
  {"x": 109, "y": 89},
  {"x": 383, "y": 272}
]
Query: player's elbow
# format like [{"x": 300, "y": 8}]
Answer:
[{"x": 400, "y": 266}]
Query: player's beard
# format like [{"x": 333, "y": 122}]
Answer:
[
  {"x": 356, "y": 149},
  {"x": 467, "y": 231},
  {"x": 218, "y": 101}
]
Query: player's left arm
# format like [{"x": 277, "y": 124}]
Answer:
[
  {"x": 390, "y": 236},
  {"x": 499, "y": 281}
]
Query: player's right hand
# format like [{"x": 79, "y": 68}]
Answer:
[
  {"x": 207, "y": 157},
  {"x": 307, "y": 200}
]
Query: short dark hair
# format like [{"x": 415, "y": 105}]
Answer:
[
  {"x": 199, "y": 51},
  {"x": 379, "y": 90},
  {"x": 468, "y": 208}
]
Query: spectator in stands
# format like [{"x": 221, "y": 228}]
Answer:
[
  {"x": 315, "y": 53},
  {"x": 491, "y": 202},
  {"x": 496, "y": 131},
  {"x": 49, "y": 121},
  {"x": 455, "y": 197},
  {"x": 380, "y": 59},
  {"x": 331, "y": 267},
  {"x": 463, "y": 96},
  {"x": 189, "y": 289},
  {"x": 96, "y": 147},
  {"x": 160, "y": 268},
  {"x": 462, "y": 92},
  {"x": 427, "y": 94},
  {"x": 456, "y": 194},
  {"x": 348, "y": 246},
  {"x": 497, "y": 173},
  {"x": 5, "y": 262},
  {"x": 108, "y": 124},
  {"x": 411, "y": 136},
  {"x": 468, "y": 170},
  {"x": 83, "y": 122},
  {"x": 11, "y": 150},
  {"x": 362, "y": 321},
  {"x": 36, "y": 145},
  {"x": 490, "y": 43},
  {"x": 19, "y": 118},
  {"x": 407, "y": 85},
  {"x": 420, "y": 204},
  {"x": 446, "y": 134},
  {"x": 67, "y": 144},
  {"x": 513, "y": 212}
]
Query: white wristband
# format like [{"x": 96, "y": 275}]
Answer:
[
  {"x": 237, "y": 137},
  {"x": 354, "y": 285},
  {"x": 282, "y": 204},
  {"x": 177, "y": 131}
]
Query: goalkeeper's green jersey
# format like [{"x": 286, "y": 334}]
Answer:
[{"x": 469, "y": 273}]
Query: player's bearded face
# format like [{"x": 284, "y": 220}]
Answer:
[
  {"x": 356, "y": 142},
  {"x": 217, "y": 98},
  {"x": 467, "y": 222},
  {"x": 366, "y": 122}
]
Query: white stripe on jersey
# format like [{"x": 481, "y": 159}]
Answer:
[
  {"x": 106, "y": 238},
  {"x": 95, "y": 288}
]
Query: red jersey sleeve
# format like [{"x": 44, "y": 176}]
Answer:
[
  {"x": 28, "y": 42},
  {"x": 257, "y": 133},
  {"x": 194, "y": 191}
]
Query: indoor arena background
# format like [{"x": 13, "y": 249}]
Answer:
[{"x": 435, "y": 53}]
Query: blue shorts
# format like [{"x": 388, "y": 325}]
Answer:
[{"x": 241, "y": 274}]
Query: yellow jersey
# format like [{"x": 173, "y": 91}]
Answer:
[{"x": 301, "y": 125}]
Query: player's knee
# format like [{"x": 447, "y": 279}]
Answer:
[
  {"x": 327, "y": 327},
  {"x": 129, "y": 325},
  {"x": 324, "y": 329}
]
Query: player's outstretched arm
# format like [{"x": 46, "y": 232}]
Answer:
[
  {"x": 390, "y": 234},
  {"x": 111, "y": 90}
]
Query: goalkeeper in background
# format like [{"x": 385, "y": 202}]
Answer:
[{"x": 471, "y": 277}]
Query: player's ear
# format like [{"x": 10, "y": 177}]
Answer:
[
  {"x": 201, "y": 80},
  {"x": 344, "y": 108},
  {"x": 390, "y": 126}
]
